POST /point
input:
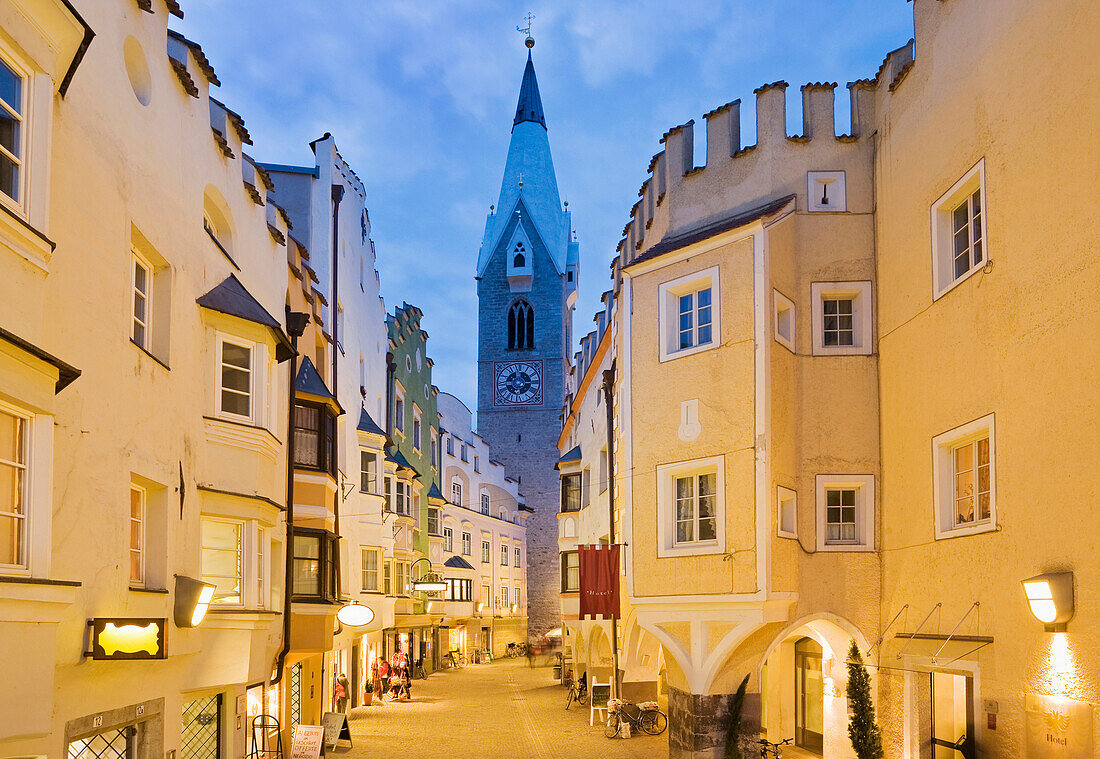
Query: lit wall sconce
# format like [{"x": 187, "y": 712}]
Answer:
[
  {"x": 355, "y": 614},
  {"x": 478, "y": 607},
  {"x": 1050, "y": 597},
  {"x": 193, "y": 599},
  {"x": 515, "y": 608}
]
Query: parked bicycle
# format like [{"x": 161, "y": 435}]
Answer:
[
  {"x": 774, "y": 750},
  {"x": 516, "y": 650},
  {"x": 578, "y": 691},
  {"x": 647, "y": 716}
]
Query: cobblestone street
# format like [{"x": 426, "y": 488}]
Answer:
[{"x": 502, "y": 710}]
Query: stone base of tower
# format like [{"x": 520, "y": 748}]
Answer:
[{"x": 697, "y": 724}]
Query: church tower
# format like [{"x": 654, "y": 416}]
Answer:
[{"x": 527, "y": 272}]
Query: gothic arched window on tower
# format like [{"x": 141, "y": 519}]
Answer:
[
  {"x": 519, "y": 259},
  {"x": 521, "y": 326}
]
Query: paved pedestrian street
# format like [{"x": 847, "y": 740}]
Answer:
[{"x": 503, "y": 710}]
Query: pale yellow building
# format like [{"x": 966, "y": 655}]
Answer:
[{"x": 838, "y": 411}]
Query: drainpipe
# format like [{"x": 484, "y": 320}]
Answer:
[
  {"x": 608, "y": 394},
  {"x": 337, "y": 195},
  {"x": 295, "y": 326}
]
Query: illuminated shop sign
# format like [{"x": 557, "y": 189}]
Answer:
[{"x": 121, "y": 638}]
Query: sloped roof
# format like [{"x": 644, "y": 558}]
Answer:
[
  {"x": 435, "y": 494},
  {"x": 366, "y": 424},
  {"x": 569, "y": 457},
  {"x": 309, "y": 382},
  {"x": 399, "y": 458},
  {"x": 457, "y": 562},
  {"x": 529, "y": 107},
  {"x": 66, "y": 373},
  {"x": 231, "y": 297}
]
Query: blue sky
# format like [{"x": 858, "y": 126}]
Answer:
[{"x": 420, "y": 98}]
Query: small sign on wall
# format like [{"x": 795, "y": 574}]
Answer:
[
  {"x": 127, "y": 638},
  {"x": 1057, "y": 728}
]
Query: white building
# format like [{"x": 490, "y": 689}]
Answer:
[{"x": 484, "y": 540}]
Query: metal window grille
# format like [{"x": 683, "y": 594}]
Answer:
[
  {"x": 201, "y": 734},
  {"x": 112, "y": 744}
]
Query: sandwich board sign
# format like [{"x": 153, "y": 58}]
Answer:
[
  {"x": 307, "y": 742},
  {"x": 600, "y": 694},
  {"x": 336, "y": 728}
]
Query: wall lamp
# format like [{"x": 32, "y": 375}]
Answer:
[
  {"x": 193, "y": 599},
  {"x": 1050, "y": 597},
  {"x": 355, "y": 614}
]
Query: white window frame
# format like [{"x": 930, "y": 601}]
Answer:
[
  {"x": 943, "y": 471},
  {"x": 247, "y": 583},
  {"x": 456, "y": 491},
  {"x": 417, "y": 429},
  {"x": 467, "y": 544},
  {"x": 377, "y": 553},
  {"x": 943, "y": 249},
  {"x": 37, "y": 493},
  {"x": 142, "y": 521},
  {"x": 783, "y": 320},
  {"x": 26, "y": 139},
  {"x": 862, "y": 337},
  {"x": 136, "y": 260},
  {"x": 372, "y": 482},
  {"x": 435, "y": 448},
  {"x": 255, "y": 403},
  {"x": 399, "y": 408},
  {"x": 23, "y": 518},
  {"x": 516, "y": 554},
  {"x": 486, "y": 552},
  {"x": 668, "y": 298},
  {"x": 864, "y": 485},
  {"x": 835, "y": 183},
  {"x": 504, "y": 554},
  {"x": 477, "y": 464},
  {"x": 387, "y": 578},
  {"x": 786, "y": 512},
  {"x": 486, "y": 504},
  {"x": 666, "y": 507},
  {"x": 448, "y": 539}
]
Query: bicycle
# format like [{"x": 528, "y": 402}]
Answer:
[
  {"x": 648, "y": 717},
  {"x": 578, "y": 693},
  {"x": 767, "y": 748},
  {"x": 516, "y": 650}
]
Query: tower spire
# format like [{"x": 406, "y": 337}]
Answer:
[{"x": 529, "y": 107}]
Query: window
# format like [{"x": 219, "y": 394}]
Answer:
[
  {"x": 695, "y": 508},
  {"x": 963, "y": 472},
  {"x": 516, "y": 553},
  {"x": 387, "y": 578},
  {"x": 570, "y": 572},
  {"x": 787, "y": 515},
  {"x": 485, "y": 503},
  {"x": 142, "y": 281},
  {"x": 223, "y": 559},
  {"x": 314, "y": 437},
  {"x": 826, "y": 191},
  {"x": 402, "y": 578},
  {"x": 503, "y": 597},
  {"x": 691, "y": 507},
  {"x": 387, "y": 494},
  {"x": 958, "y": 231},
  {"x": 235, "y": 373},
  {"x": 477, "y": 466},
  {"x": 450, "y": 445},
  {"x": 485, "y": 552},
  {"x": 571, "y": 492},
  {"x": 435, "y": 450},
  {"x": 460, "y": 590},
  {"x": 416, "y": 428},
  {"x": 408, "y": 364},
  {"x": 486, "y": 596},
  {"x": 845, "y": 512},
  {"x": 368, "y": 471},
  {"x": 519, "y": 260},
  {"x": 261, "y": 568},
  {"x": 403, "y": 500},
  {"x": 137, "y": 535},
  {"x": 503, "y": 515},
  {"x": 841, "y": 318},
  {"x": 314, "y": 577},
  {"x": 14, "y": 480},
  {"x": 516, "y": 599},
  {"x": 372, "y": 557},
  {"x": 784, "y": 320},
  {"x": 586, "y": 487},
  {"x": 456, "y": 492},
  {"x": 13, "y": 90},
  {"x": 464, "y": 453},
  {"x": 603, "y": 470},
  {"x": 503, "y": 555},
  {"x": 448, "y": 540},
  {"x": 466, "y": 549},
  {"x": 688, "y": 314},
  {"x": 521, "y": 326},
  {"x": 399, "y": 409},
  {"x": 433, "y": 520}
]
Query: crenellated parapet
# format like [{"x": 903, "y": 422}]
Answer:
[{"x": 677, "y": 193}]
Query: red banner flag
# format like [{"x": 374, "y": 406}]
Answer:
[{"x": 599, "y": 567}]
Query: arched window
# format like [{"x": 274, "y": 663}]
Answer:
[
  {"x": 521, "y": 326},
  {"x": 519, "y": 260}
]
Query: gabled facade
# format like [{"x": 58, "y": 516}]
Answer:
[{"x": 527, "y": 272}]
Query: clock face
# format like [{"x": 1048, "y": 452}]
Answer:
[{"x": 519, "y": 383}]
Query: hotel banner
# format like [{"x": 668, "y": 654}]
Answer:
[{"x": 599, "y": 569}]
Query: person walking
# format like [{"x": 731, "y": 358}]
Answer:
[
  {"x": 340, "y": 693},
  {"x": 383, "y": 676}
]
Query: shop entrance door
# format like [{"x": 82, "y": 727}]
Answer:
[
  {"x": 952, "y": 716},
  {"x": 809, "y": 696},
  {"x": 200, "y": 737}
]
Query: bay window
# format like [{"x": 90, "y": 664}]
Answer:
[
  {"x": 570, "y": 572},
  {"x": 314, "y": 437},
  {"x": 315, "y": 571}
]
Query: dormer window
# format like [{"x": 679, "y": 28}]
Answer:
[
  {"x": 519, "y": 265},
  {"x": 519, "y": 260}
]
